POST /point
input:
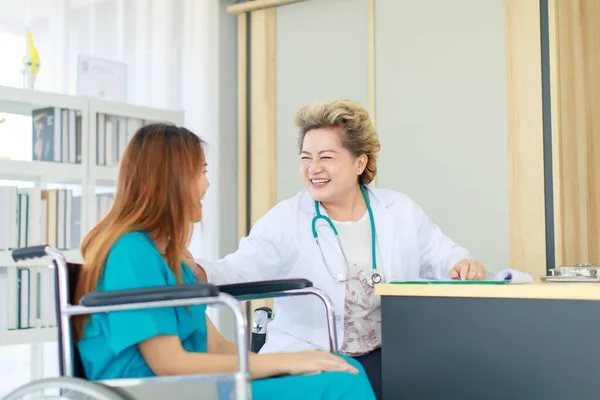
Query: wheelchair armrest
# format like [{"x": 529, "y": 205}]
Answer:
[
  {"x": 145, "y": 295},
  {"x": 262, "y": 287}
]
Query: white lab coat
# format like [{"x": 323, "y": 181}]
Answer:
[{"x": 281, "y": 245}]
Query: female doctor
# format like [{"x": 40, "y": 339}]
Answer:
[{"x": 344, "y": 236}]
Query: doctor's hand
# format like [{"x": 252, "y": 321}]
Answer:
[
  {"x": 467, "y": 269},
  {"x": 188, "y": 259},
  {"x": 199, "y": 273},
  {"x": 314, "y": 362}
]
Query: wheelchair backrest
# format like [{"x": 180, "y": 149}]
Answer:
[{"x": 72, "y": 279}]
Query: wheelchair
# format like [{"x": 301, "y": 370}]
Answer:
[{"x": 72, "y": 383}]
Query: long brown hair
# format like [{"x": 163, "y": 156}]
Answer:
[{"x": 155, "y": 193}]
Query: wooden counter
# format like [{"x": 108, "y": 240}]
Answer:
[{"x": 536, "y": 290}]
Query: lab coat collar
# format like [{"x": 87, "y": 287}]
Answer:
[{"x": 381, "y": 201}]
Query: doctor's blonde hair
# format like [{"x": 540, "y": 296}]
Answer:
[
  {"x": 154, "y": 194},
  {"x": 358, "y": 133}
]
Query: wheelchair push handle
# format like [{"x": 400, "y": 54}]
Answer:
[{"x": 29, "y": 252}]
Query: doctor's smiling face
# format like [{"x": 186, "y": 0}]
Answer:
[
  {"x": 338, "y": 148},
  {"x": 329, "y": 170}
]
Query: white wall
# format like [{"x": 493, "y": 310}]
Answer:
[
  {"x": 321, "y": 53},
  {"x": 441, "y": 116}
]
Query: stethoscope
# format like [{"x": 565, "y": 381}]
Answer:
[{"x": 375, "y": 277}]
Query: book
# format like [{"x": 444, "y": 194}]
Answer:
[{"x": 56, "y": 135}]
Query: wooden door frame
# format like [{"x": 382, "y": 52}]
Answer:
[{"x": 256, "y": 115}]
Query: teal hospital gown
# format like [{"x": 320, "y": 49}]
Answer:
[{"x": 109, "y": 348}]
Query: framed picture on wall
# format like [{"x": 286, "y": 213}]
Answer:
[{"x": 105, "y": 79}]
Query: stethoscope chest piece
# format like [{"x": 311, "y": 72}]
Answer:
[{"x": 375, "y": 279}]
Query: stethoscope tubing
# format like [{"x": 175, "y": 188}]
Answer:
[{"x": 376, "y": 278}]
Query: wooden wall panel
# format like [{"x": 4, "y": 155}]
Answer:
[
  {"x": 261, "y": 56},
  {"x": 576, "y": 60},
  {"x": 242, "y": 124},
  {"x": 262, "y": 108},
  {"x": 525, "y": 137},
  {"x": 255, "y": 5}
]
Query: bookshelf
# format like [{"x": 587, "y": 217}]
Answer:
[
  {"x": 28, "y": 336},
  {"x": 40, "y": 171},
  {"x": 70, "y": 177},
  {"x": 122, "y": 120}
]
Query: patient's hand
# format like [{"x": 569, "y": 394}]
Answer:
[{"x": 313, "y": 362}]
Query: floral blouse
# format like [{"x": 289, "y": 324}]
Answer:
[{"x": 362, "y": 309}]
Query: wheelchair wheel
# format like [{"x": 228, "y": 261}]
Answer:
[{"x": 70, "y": 388}]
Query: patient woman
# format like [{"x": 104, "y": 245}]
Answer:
[{"x": 141, "y": 243}]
